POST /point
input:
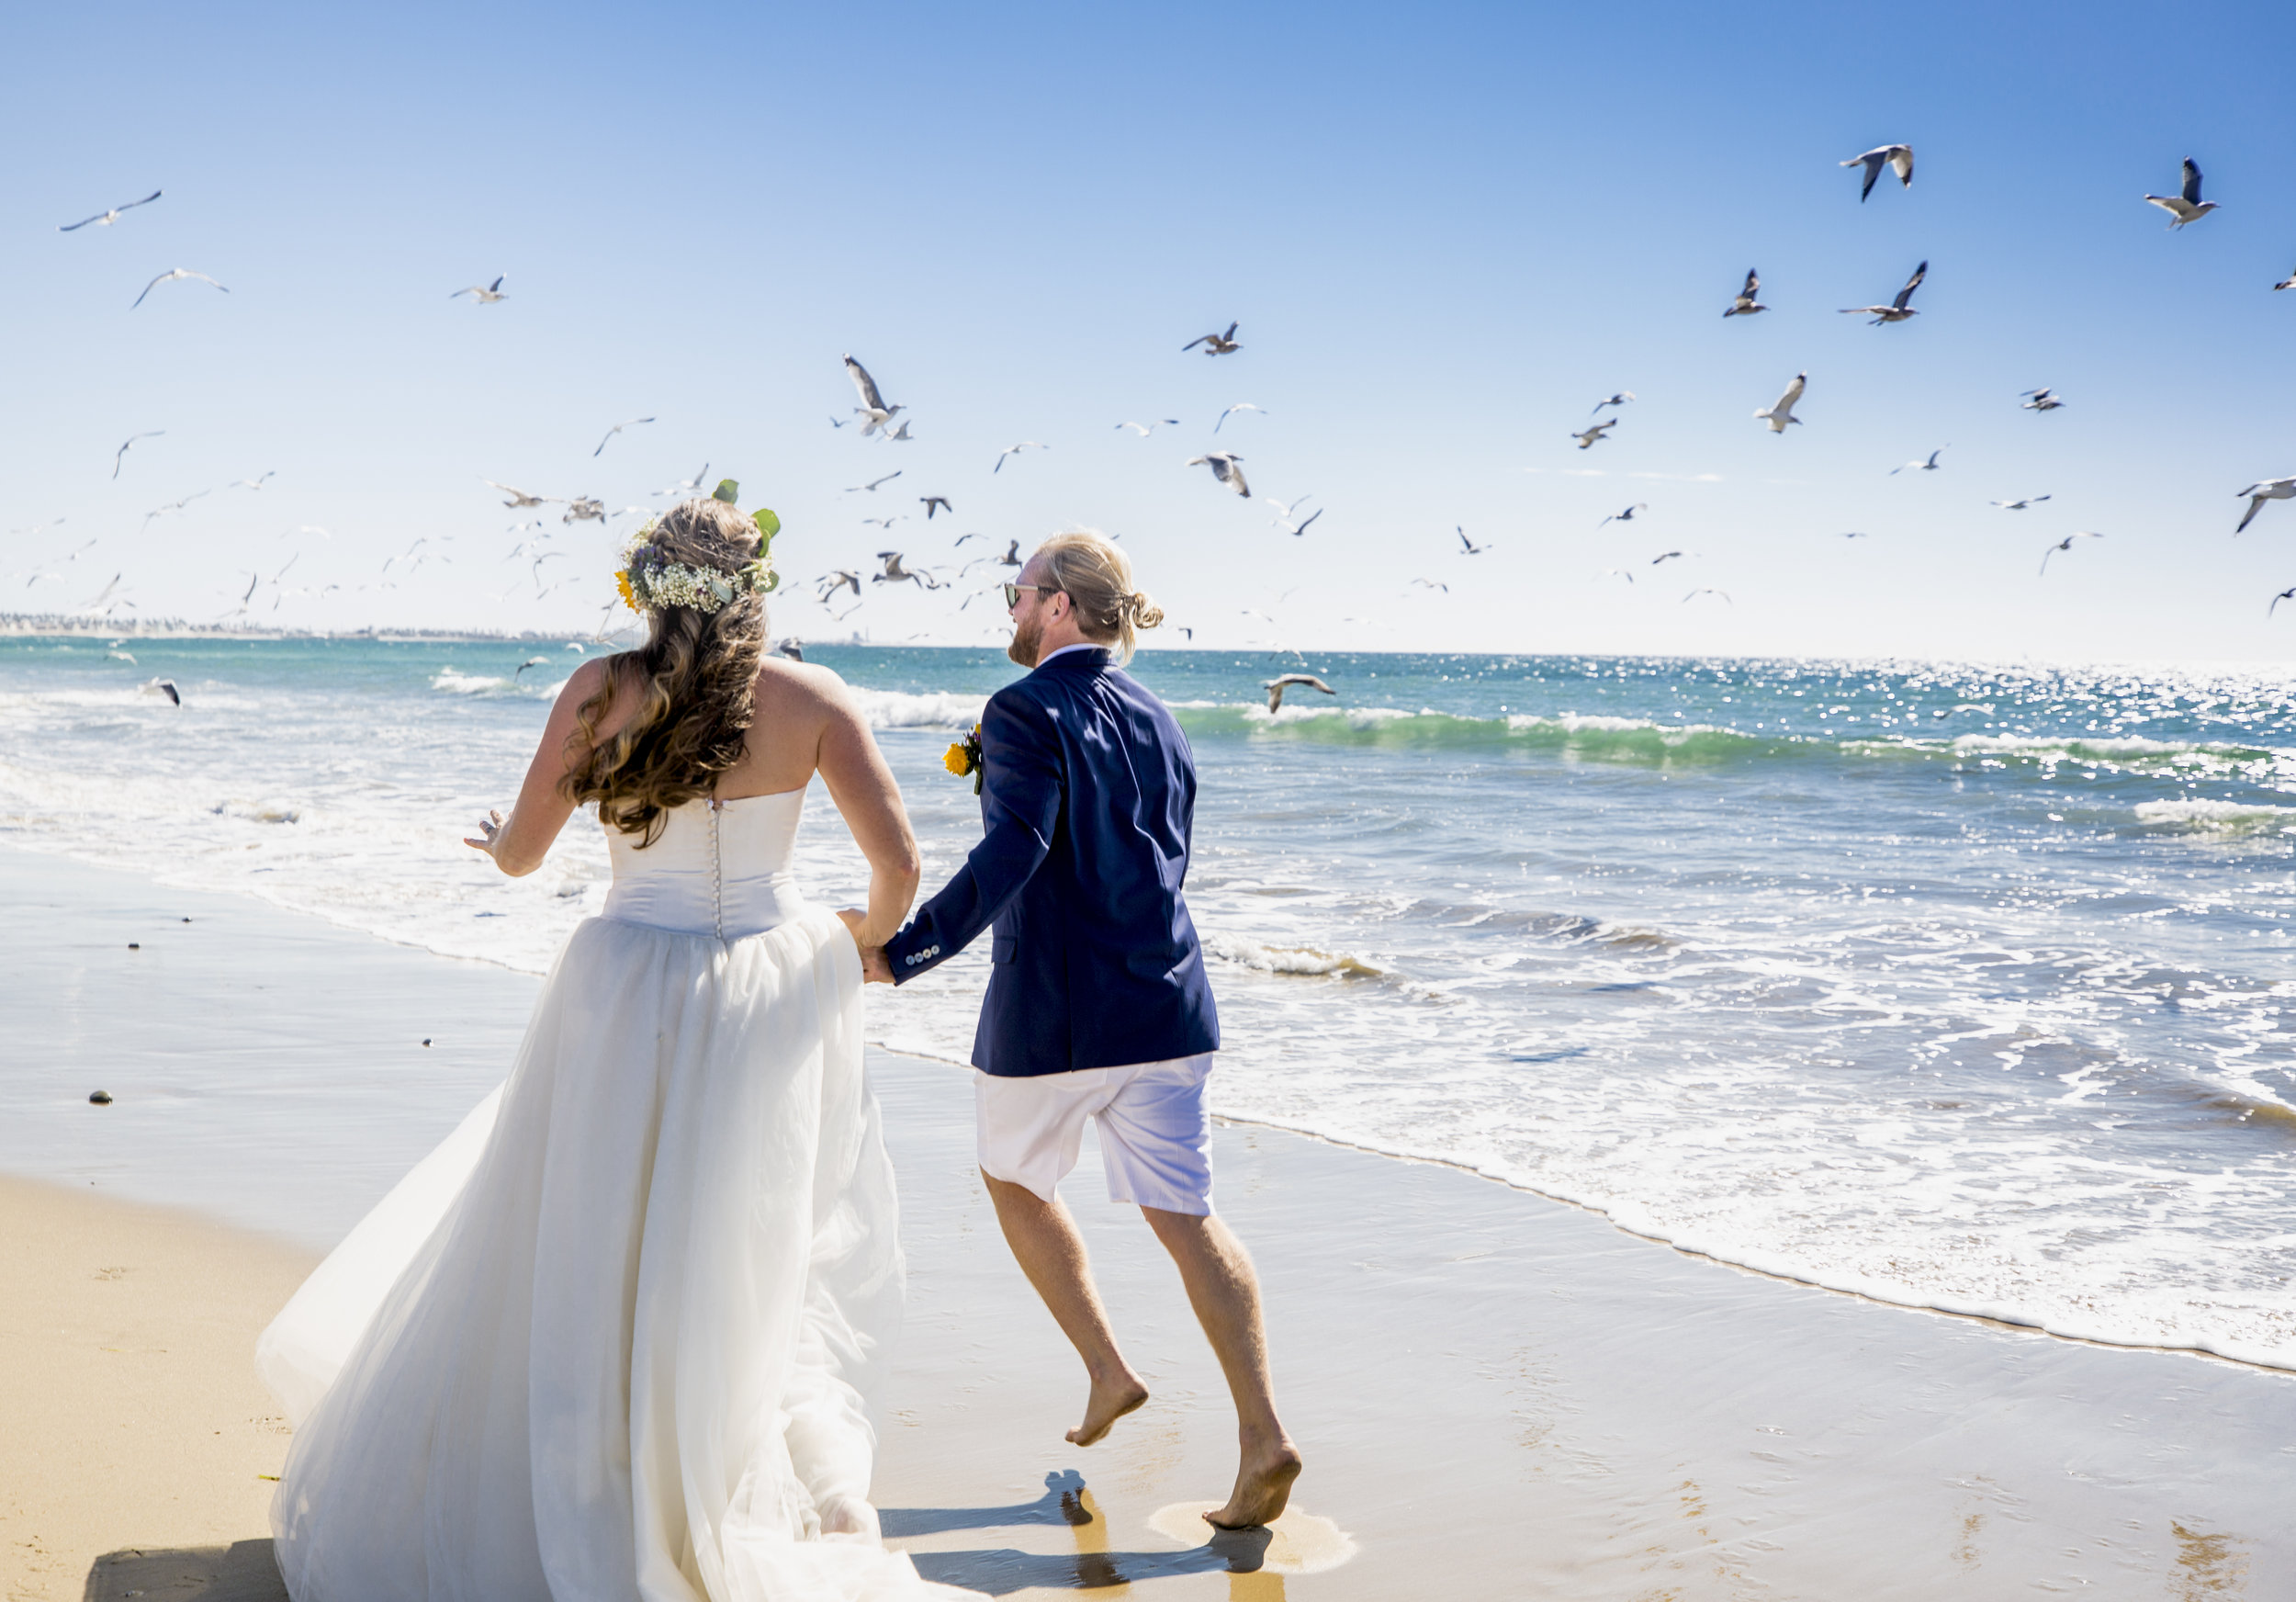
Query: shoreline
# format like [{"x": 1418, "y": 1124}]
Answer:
[
  {"x": 129, "y": 887},
  {"x": 1497, "y": 1393}
]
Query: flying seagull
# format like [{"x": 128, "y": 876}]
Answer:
[
  {"x": 843, "y": 578},
  {"x": 1897, "y": 310},
  {"x": 895, "y": 573},
  {"x": 2065, "y": 544},
  {"x": 937, "y": 504},
  {"x": 2029, "y": 502},
  {"x": 1927, "y": 467},
  {"x": 533, "y": 662},
  {"x": 174, "y": 506},
  {"x": 2188, "y": 205},
  {"x": 694, "y": 483},
  {"x": 871, "y": 487},
  {"x": 1746, "y": 305},
  {"x": 1472, "y": 548},
  {"x": 900, "y": 436},
  {"x": 2267, "y": 490},
  {"x": 617, "y": 428},
  {"x": 519, "y": 497},
  {"x": 1626, "y": 516},
  {"x": 872, "y": 410},
  {"x": 1224, "y": 468},
  {"x": 1433, "y": 584},
  {"x": 252, "y": 483},
  {"x": 1898, "y": 157},
  {"x": 169, "y": 277},
  {"x": 1618, "y": 399},
  {"x": 1014, "y": 450},
  {"x": 167, "y": 686},
  {"x": 584, "y": 509},
  {"x": 1665, "y": 557},
  {"x": 1709, "y": 590},
  {"x": 1275, "y": 688},
  {"x": 1781, "y": 413},
  {"x": 2043, "y": 400},
  {"x": 2287, "y": 594},
  {"x": 483, "y": 294},
  {"x": 1286, "y": 517},
  {"x": 1011, "y": 558},
  {"x": 106, "y": 219},
  {"x": 2286, "y": 283},
  {"x": 1215, "y": 344},
  {"x": 1145, "y": 429},
  {"x": 122, "y": 451},
  {"x": 1239, "y": 406},
  {"x": 1588, "y": 437}
]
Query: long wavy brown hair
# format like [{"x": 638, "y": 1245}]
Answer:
[{"x": 695, "y": 679}]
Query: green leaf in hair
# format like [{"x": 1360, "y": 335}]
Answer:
[
  {"x": 728, "y": 490},
  {"x": 768, "y": 524}
]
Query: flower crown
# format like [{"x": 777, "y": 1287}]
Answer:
[{"x": 650, "y": 580}]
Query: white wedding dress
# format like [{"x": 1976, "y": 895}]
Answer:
[{"x": 613, "y": 1340}]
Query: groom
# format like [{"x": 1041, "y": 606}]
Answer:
[{"x": 1098, "y": 1004}]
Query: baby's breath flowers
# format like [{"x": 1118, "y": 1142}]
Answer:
[
  {"x": 964, "y": 757},
  {"x": 650, "y": 580}
]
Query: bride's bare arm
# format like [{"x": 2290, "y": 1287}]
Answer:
[
  {"x": 519, "y": 844},
  {"x": 862, "y": 787}
]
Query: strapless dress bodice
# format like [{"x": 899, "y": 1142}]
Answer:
[{"x": 718, "y": 868}]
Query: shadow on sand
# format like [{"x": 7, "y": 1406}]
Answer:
[
  {"x": 244, "y": 1571},
  {"x": 1000, "y": 1570},
  {"x": 247, "y": 1572}
]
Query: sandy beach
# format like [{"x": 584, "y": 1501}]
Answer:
[{"x": 1498, "y": 1395}]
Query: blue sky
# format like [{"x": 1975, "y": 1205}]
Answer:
[{"x": 1446, "y": 231}]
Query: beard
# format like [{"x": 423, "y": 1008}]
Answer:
[{"x": 1027, "y": 636}]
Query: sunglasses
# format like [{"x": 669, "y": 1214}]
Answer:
[{"x": 1012, "y": 592}]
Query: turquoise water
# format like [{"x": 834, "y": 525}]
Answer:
[{"x": 1964, "y": 986}]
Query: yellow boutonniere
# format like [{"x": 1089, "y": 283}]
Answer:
[{"x": 964, "y": 757}]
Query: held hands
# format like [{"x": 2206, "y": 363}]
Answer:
[{"x": 876, "y": 967}]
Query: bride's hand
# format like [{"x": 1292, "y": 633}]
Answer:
[
  {"x": 876, "y": 968},
  {"x": 490, "y": 829}
]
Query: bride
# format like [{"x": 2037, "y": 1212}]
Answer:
[{"x": 613, "y": 1340}]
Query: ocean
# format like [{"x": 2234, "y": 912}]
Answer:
[{"x": 1961, "y": 987}]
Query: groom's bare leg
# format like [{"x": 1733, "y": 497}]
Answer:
[
  {"x": 1044, "y": 1238},
  {"x": 1225, "y": 1293}
]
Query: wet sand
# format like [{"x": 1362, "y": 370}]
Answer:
[{"x": 1499, "y": 1396}]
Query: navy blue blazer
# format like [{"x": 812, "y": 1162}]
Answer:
[{"x": 1088, "y": 802}]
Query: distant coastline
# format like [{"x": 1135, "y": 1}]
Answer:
[{"x": 20, "y": 624}]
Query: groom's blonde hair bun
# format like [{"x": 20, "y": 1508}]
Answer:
[{"x": 1096, "y": 576}]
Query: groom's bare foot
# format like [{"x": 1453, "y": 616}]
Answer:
[
  {"x": 1109, "y": 1401},
  {"x": 1263, "y": 1484}
]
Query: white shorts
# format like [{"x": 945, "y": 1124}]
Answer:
[{"x": 1155, "y": 1137}]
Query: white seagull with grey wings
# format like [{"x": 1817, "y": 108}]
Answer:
[
  {"x": 1781, "y": 411},
  {"x": 1898, "y": 158}
]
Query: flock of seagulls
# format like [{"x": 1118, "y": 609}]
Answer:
[
  {"x": 882, "y": 419},
  {"x": 2185, "y": 208}
]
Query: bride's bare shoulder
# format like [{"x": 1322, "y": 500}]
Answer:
[{"x": 797, "y": 689}]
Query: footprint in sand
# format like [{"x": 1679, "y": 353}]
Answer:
[{"x": 1299, "y": 1543}]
